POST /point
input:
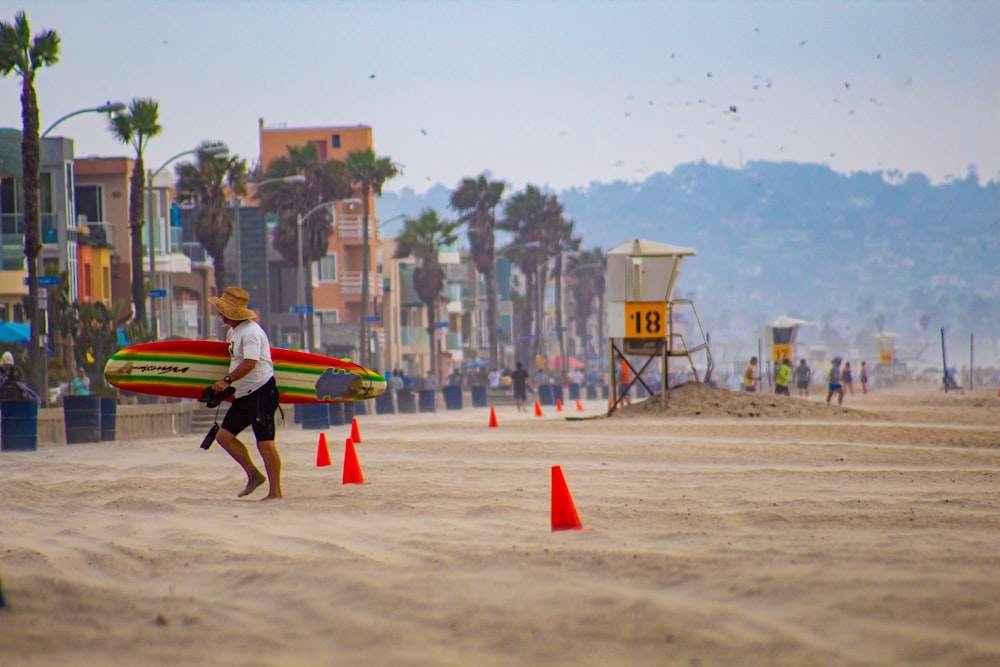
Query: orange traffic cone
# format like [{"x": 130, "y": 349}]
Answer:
[
  {"x": 538, "y": 409},
  {"x": 579, "y": 405},
  {"x": 355, "y": 432},
  {"x": 558, "y": 405},
  {"x": 564, "y": 516},
  {"x": 352, "y": 467},
  {"x": 323, "y": 453},
  {"x": 493, "y": 418}
]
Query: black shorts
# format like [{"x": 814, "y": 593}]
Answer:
[
  {"x": 781, "y": 389},
  {"x": 255, "y": 409}
]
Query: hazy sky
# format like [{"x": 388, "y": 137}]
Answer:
[{"x": 552, "y": 93}]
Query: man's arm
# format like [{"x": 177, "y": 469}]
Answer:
[{"x": 240, "y": 371}]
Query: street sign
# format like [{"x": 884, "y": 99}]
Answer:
[
  {"x": 373, "y": 319},
  {"x": 441, "y": 325},
  {"x": 157, "y": 293},
  {"x": 45, "y": 281},
  {"x": 302, "y": 309}
]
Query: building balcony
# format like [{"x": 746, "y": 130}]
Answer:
[
  {"x": 350, "y": 283},
  {"x": 351, "y": 227}
]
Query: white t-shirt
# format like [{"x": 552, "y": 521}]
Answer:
[
  {"x": 494, "y": 377},
  {"x": 247, "y": 340}
]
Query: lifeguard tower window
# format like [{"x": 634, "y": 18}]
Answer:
[
  {"x": 783, "y": 335},
  {"x": 335, "y": 140}
]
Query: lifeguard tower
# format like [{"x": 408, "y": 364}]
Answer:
[
  {"x": 642, "y": 277},
  {"x": 779, "y": 338}
]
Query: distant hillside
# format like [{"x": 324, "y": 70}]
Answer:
[{"x": 855, "y": 253}]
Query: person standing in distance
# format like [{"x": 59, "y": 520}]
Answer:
[
  {"x": 519, "y": 379},
  {"x": 251, "y": 373},
  {"x": 750, "y": 378}
]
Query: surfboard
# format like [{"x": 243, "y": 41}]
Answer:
[{"x": 183, "y": 368}]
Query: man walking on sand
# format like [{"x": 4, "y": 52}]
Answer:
[
  {"x": 519, "y": 380},
  {"x": 251, "y": 374}
]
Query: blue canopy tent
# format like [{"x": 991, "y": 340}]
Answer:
[{"x": 14, "y": 332}]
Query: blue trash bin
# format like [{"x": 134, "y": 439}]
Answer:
[
  {"x": 545, "y": 395},
  {"x": 83, "y": 419},
  {"x": 315, "y": 416},
  {"x": 574, "y": 391},
  {"x": 336, "y": 414},
  {"x": 18, "y": 426},
  {"x": 109, "y": 418},
  {"x": 557, "y": 394},
  {"x": 452, "y": 397},
  {"x": 591, "y": 393},
  {"x": 427, "y": 400},
  {"x": 406, "y": 401},
  {"x": 479, "y": 397},
  {"x": 384, "y": 405}
]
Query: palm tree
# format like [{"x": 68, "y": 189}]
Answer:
[
  {"x": 423, "y": 238},
  {"x": 23, "y": 55},
  {"x": 135, "y": 127},
  {"x": 371, "y": 173},
  {"x": 569, "y": 244},
  {"x": 475, "y": 200},
  {"x": 202, "y": 183},
  {"x": 586, "y": 280},
  {"x": 537, "y": 219},
  {"x": 326, "y": 181}
]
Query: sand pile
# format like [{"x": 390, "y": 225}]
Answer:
[{"x": 694, "y": 399}]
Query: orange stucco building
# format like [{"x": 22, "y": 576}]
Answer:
[{"x": 336, "y": 279}]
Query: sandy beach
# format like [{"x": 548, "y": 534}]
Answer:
[{"x": 731, "y": 530}]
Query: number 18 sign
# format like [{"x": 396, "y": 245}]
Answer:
[{"x": 645, "y": 319}]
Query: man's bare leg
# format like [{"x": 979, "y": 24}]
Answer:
[
  {"x": 272, "y": 464},
  {"x": 235, "y": 447}
]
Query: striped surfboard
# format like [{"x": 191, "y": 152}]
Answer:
[{"x": 183, "y": 368}]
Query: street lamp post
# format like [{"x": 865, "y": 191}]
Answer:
[
  {"x": 219, "y": 150},
  {"x": 108, "y": 108},
  {"x": 300, "y": 283}
]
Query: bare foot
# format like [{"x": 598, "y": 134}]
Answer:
[
  {"x": 272, "y": 497},
  {"x": 255, "y": 480}
]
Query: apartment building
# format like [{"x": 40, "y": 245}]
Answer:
[{"x": 334, "y": 288}]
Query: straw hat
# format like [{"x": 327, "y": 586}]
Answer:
[{"x": 233, "y": 304}]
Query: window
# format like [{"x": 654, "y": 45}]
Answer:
[
  {"x": 335, "y": 140},
  {"x": 89, "y": 202},
  {"x": 325, "y": 270},
  {"x": 329, "y": 316}
]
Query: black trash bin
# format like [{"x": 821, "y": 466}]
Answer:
[
  {"x": 574, "y": 391},
  {"x": 591, "y": 393},
  {"x": 336, "y": 413},
  {"x": 384, "y": 405},
  {"x": 315, "y": 416},
  {"x": 479, "y": 397},
  {"x": 406, "y": 401},
  {"x": 18, "y": 426},
  {"x": 545, "y": 395},
  {"x": 360, "y": 408},
  {"x": 83, "y": 419},
  {"x": 109, "y": 418},
  {"x": 452, "y": 397},
  {"x": 557, "y": 394},
  {"x": 427, "y": 400}
]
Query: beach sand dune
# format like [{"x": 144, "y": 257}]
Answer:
[{"x": 787, "y": 534}]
